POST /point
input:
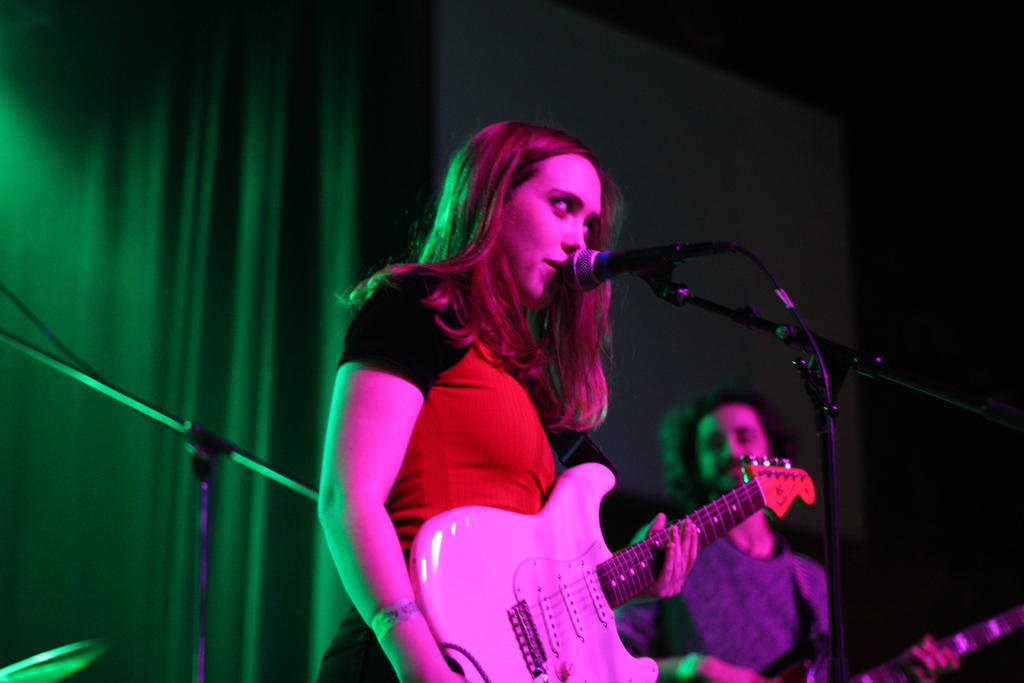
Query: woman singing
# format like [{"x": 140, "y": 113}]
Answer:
[{"x": 453, "y": 369}]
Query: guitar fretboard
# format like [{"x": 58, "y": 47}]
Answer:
[
  {"x": 968, "y": 640},
  {"x": 631, "y": 570}
]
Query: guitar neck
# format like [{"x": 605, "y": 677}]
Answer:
[
  {"x": 963, "y": 642},
  {"x": 631, "y": 570},
  {"x": 985, "y": 632}
]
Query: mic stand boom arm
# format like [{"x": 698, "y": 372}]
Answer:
[
  {"x": 193, "y": 433},
  {"x": 842, "y": 358}
]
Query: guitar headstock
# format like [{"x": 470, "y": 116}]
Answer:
[{"x": 780, "y": 482}]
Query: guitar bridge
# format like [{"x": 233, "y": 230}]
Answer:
[{"x": 527, "y": 637}]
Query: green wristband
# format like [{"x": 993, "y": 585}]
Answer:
[{"x": 687, "y": 668}]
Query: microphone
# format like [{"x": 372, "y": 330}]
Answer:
[{"x": 585, "y": 269}]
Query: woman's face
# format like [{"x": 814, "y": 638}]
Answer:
[{"x": 545, "y": 219}]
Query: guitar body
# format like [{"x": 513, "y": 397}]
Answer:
[
  {"x": 518, "y": 596},
  {"x": 805, "y": 672}
]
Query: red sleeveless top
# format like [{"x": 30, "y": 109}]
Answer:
[{"x": 478, "y": 441}]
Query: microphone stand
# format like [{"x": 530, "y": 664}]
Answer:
[
  {"x": 205, "y": 448},
  {"x": 844, "y": 358}
]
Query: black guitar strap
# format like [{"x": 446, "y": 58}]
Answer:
[{"x": 576, "y": 448}]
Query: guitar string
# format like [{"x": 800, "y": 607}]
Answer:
[
  {"x": 708, "y": 518},
  {"x": 714, "y": 518},
  {"x": 565, "y": 623},
  {"x": 720, "y": 513},
  {"x": 723, "y": 511},
  {"x": 569, "y": 624}
]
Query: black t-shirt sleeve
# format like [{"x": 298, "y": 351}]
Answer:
[{"x": 394, "y": 327}]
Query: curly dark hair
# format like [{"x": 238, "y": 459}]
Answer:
[{"x": 678, "y": 439}]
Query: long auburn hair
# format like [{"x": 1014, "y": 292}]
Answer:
[{"x": 556, "y": 353}]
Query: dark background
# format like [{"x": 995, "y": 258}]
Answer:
[{"x": 932, "y": 140}]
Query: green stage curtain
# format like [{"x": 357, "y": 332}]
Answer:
[{"x": 184, "y": 190}]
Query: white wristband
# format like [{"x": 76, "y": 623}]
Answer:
[{"x": 387, "y": 617}]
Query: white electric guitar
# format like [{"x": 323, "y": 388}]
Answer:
[{"x": 521, "y": 598}]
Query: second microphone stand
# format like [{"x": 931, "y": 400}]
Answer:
[{"x": 205, "y": 448}]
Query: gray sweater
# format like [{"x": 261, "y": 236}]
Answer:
[{"x": 744, "y": 610}]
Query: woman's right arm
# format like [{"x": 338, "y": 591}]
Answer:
[{"x": 373, "y": 412}]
